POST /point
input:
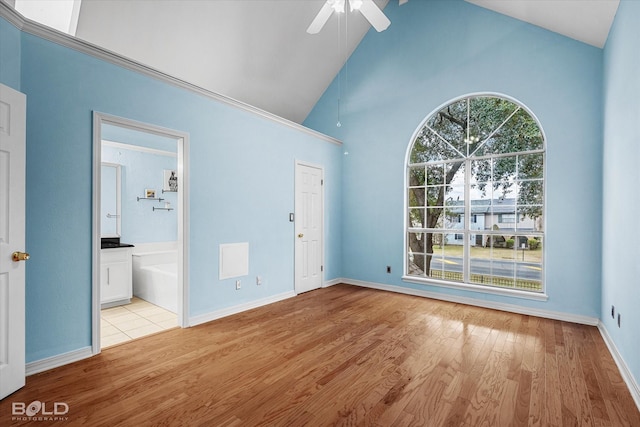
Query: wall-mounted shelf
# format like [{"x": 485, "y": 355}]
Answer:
[
  {"x": 150, "y": 198},
  {"x": 162, "y": 209}
]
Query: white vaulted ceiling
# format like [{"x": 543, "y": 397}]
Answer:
[
  {"x": 258, "y": 52},
  {"x": 588, "y": 21},
  {"x": 255, "y": 51}
]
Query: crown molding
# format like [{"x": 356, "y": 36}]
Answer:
[{"x": 34, "y": 28}]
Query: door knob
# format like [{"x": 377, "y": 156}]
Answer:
[
  {"x": 301, "y": 235},
  {"x": 19, "y": 256}
]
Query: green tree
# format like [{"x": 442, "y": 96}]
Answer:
[{"x": 456, "y": 136}]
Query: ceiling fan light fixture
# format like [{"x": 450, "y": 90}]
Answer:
[
  {"x": 368, "y": 8},
  {"x": 355, "y": 4},
  {"x": 338, "y": 6}
]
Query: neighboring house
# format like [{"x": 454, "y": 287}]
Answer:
[{"x": 487, "y": 214}]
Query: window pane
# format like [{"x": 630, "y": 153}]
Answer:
[
  {"x": 530, "y": 166},
  {"x": 453, "y": 245},
  {"x": 454, "y": 198},
  {"x": 529, "y": 267},
  {"x": 534, "y": 244},
  {"x": 453, "y": 220},
  {"x": 416, "y": 176},
  {"x": 519, "y": 133},
  {"x": 481, "y": 271},
  {"x": 502, "y": 273},
  {"x": 527, "y": 279},
  {"x": 445, "y": 269},
  {"x": 428, "y": 147},
  {"x": 435, "y": 195},
  {"x": 531, "y": 193},
  {"x": 449, "y": 124},
  {"x": 522, "y": 133},
  {"x": 416, "y": 263},
  {"x": 455, "y": 173},
  {"x": 481, "y": 177},
  {"x": 529, "y": 272},
  {"x": 454, "y": 195},
  {"x": 435, "y": 243},
  {"x": 416, "y": 218},
  {"x": 480, "y": 186},
  {"x": 486, "y": 115},
  {"x": 529, "y": 249},
  {"x": 504, "y": 168},
  {"x": 505, "y": 192},
  {"x": 416, "y": 197},
  {"x": 415, "y": 253},
  {"x": 435, "y": 174},
  {"x": 416, "y": 242},
  {"x": 435, "y": 218},
  {"x": 530, "y": 219}
]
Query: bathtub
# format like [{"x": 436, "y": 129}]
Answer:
[{"x": 155, "y": 278}]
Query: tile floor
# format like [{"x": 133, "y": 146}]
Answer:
[{"x": 135, "y": 320}]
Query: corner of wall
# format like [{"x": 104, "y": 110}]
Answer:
[{"x": 627, "y": 376}]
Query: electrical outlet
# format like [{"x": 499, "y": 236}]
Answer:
[
  {"x": 618, "y": 320},
  {"x": 613, "y": 312},
  {"x": 258, "y": 280},
  {"x": 237, "y": 284},
  {"x": 388, "y": 269}
]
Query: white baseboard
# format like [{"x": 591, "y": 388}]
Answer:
[
  {"x": 627, "y": 376},
  {"x": 57, "y": 361},
  {"x": 329, "y": 283},
  {"x": 512, "y": 308},
  {"x": 208, "y": 317}
]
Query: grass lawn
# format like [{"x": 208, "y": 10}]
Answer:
[{"x": 492, "y": 253}]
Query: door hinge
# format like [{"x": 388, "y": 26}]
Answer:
[
  {"x": 322, "y": 182},
  {"x": 322, "y": 268}
]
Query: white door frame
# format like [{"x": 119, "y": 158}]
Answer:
[
  {"x": 321, "y": 169},
  {"x": 183, "y": 214}
]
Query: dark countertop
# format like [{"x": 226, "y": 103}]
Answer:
[{"x": 113, "y": 243}]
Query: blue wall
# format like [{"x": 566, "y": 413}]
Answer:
[
  {"x": 435, "y": 51},
  {"x": 142, "y": 170},
  {"x": 241, "y": 178},
  {"x": 620, "y": 251}
]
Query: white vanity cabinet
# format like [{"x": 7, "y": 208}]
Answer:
[{"x": 116, "y": 286}]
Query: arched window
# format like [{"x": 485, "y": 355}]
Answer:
[{"x": 475, "y": 196}]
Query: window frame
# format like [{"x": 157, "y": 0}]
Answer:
[{"x": 467, "y": 230}]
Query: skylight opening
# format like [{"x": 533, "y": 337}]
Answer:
[{"x": 61, "y": 15}]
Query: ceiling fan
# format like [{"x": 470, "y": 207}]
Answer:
[{"x": 368, "y": 8}]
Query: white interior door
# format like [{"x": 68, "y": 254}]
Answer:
[
  {"x": 12, "y": 240},
  {"x": 308, "y": 228}
]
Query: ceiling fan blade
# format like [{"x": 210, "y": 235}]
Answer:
[
  {"x": 374, "y": 15},
  {"x": 321, "y": 18}
]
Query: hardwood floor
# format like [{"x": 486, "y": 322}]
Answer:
[{"x": 348, "y": 356}]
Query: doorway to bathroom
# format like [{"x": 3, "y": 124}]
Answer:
[{"x": 139, "y": 248}]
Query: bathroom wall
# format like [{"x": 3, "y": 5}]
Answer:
[{"x": 140, "y": 171}]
